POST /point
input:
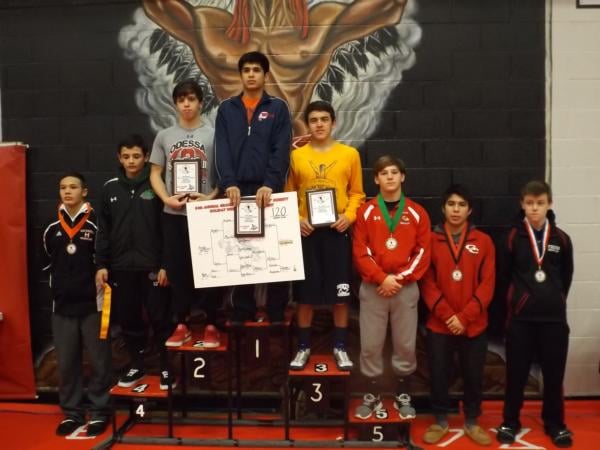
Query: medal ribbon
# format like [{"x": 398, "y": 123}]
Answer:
[
  {"x": 71, "y": 232},
  {"x": 534, "y": 247},
  {"x": 105, "y": 320},
  {"x": 391, "y": 222},
  {"x": 456, "y": 249}
]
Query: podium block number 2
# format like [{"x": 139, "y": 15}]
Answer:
[{"x": 201, "y": 364}]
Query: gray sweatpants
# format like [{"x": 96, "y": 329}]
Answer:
[
  {"x": 375, "y": 311},
  {"x": 71, "y": 336}
]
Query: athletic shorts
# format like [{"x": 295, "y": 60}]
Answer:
[{"x": 327, "y": 267}]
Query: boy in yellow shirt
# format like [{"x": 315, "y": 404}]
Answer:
[{"x": 328, "y": 178}]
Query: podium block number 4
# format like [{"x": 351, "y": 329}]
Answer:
[{"x": 140, "y": 411}]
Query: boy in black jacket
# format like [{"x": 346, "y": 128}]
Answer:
[
  {"x": 69, "y": 244},
  {"x": 537, "y": 260},
  {"x": 129, "y": 256}
]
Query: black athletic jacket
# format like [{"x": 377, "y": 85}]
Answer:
[
  {"x": 129, "y": 231},
  {"x": 72, "y": 276},
  {"x": 528, "y": 300}
]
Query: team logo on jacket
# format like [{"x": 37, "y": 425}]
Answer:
[
  {"x": 343, "y": 290},
  {"x": 472, "y": 248},
  {"x": 87, "y": 235},
  {"x": 264, "y": 115},
  {"x": 553, "y": 248},
  {"x": 113, "y": 199},
  {"x": 148, "y": 194}
]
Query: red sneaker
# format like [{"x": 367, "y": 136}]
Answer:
[
  {"x": 180, "y": 335},
  {"x": 211, "y": 337}
]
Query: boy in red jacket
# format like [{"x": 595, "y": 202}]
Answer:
[
  {"x": 458, "y": 288},
  {"x": 390, "y": 247}
]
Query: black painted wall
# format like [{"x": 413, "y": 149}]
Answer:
[{"x": 471, "y": 110}]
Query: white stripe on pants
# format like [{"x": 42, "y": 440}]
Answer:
[{"x": 375, "y": 311}]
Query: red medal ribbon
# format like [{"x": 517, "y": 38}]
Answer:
[
  {"x": 456, "y": 249},
  {"x": 545, "y": 238},
  {"x": 71, "y": 232}
]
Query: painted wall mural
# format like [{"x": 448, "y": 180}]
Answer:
[
  {"x": 351, "y": 53},
  {"x": 455, "y": 88}
]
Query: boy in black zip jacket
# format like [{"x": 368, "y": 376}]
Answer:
[
  {"x": 253, "y": 133},
  {"x": 537, "y": 262},
  {"x": 129, "y": 257},
  {"x": 69, "y": 244}
]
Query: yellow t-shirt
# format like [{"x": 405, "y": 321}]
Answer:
[{"x": 338, "y": 168}]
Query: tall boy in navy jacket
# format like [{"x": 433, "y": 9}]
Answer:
[{"x": 253, "y": 133}]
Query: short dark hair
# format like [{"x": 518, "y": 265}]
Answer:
[
  {"x": 388, "y": 160},
  {"x": 254, "y": 58},
  {"x": 133, "y": 140},
  {"x": 461, "y": 191},
  {"x": 319, "y": 105},
  {"x": 74, "y": 174},
  {"x": 186, "y": 87},
  {"x": 536, "y": 188}
]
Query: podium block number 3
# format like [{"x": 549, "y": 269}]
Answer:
[{"x": 317, "y": 394}]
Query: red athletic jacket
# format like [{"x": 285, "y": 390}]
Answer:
[
  {"x": 469, "y": 298},
  {"x": 410, "y": 258}
]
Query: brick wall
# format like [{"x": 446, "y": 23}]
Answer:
[
  {"x": 575, "y": 164},
  {"x": 470, "y": 110}
]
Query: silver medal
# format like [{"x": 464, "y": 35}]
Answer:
[
  {"x": 457, "y": 275},
  {"x": 540, "y": 276},
  {"x": 71, "y": 248},
  {"x": 391, "y": 243}
]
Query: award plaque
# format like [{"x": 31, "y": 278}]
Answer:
[
  {"x": 249, "y": 218},
  {"x": 321, "y": 206},
  {"x": 186, "y": 176}
]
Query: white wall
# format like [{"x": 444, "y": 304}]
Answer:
[{"x": 574, "y": 151}]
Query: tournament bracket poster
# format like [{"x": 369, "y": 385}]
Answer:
[{"x": 221, "y": 259}]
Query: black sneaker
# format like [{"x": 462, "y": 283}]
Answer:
[
  {"x": 97, "y": 426},
  {"x": 562, "y": 437},
  {"x": 165, "y": 379},
  {"x": 131, "y": 377},
  {"x": 506, "y": 434},
  {"x": 67, "y": 426}
]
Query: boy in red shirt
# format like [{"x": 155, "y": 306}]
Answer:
[
  {"x": 390, "y": 246},
  {"x": 458, "y": 288}
]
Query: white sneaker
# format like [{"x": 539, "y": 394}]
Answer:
[
  {"x": 300, "y": 360},
  {"x": 371, "y": 403},
  {"x": 404, "y": 408},
  {"x": 341, "y": 359}
]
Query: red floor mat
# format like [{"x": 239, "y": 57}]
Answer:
[{"x": 30, "y": 427}]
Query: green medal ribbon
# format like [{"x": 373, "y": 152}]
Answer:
[{"x": 391, "y": 222}]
